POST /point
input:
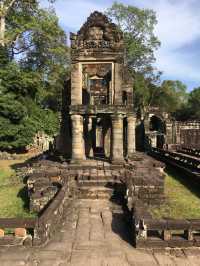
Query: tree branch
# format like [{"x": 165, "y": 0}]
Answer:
[
  {"x": 10, "y": 5},
  {"x": 22, "y": 49}
]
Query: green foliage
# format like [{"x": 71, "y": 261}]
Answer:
[
  {"x": 140, "y": 43},
  {"x": 183, "y": 198},
  {"x": 145, "y": 92},
  {"x": 40, "y": 119},
  {"x": 172, "y": 96},
  {"x": 138, "y": 28},
  {"x": 13, "y": 194},
  {"x": 31, "y": 84},
  {"x": 191, "y": 110},
  {"x": 20, "y": 122},
  {"x": 194, "y": 104},
  {"x": 18, "y": 81}
]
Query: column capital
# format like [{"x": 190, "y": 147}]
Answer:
[
  {"x": 77, "y": 117},
  {"x": 131, "y": 118},
  {"x": 117, "y": 117}
]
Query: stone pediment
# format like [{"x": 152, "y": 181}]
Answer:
[{"x": 97, "y": 33}]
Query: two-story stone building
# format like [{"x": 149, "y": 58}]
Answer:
[{"x": 99, "y": 120}]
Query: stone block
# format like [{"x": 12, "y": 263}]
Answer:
[
  {"x": 166, "y": 235},
  {"x": 55, "y": 179},
  {"x": 20, "y": 232},
  {"x": 2, "y": 233}
]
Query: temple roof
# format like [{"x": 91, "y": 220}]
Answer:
[
  {"x": 101, "y": 26},
  {"x": 98, "y": 32}
]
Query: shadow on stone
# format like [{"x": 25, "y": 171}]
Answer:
[
  {"x": 122, "y": 227},
  {"x": 23, "y": 194}
]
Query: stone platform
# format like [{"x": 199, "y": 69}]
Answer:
[{"x": 95, "y": 234}]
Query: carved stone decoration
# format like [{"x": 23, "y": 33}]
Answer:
[
  {"x": 97, "y": 33},
  {"x": 100, "y": 70}
]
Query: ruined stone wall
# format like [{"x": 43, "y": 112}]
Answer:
[
  {"x": 41, "y": 142},
  {"x": 51, "y": 220},
  {"x": 190, "y": 138},
  {"x": 191, "y": 127},
  {"x": 182, "y": 133}
]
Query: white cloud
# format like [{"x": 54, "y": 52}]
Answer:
[
  {"x": 177, "y": 66},
  {"x": 178, "y": 26}
]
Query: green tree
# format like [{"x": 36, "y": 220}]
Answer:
[
  {"x": 194, "y": 104},
  {"x": 30, "y": 85},
  {"x": 146, "y": 90},
  {"x": 16, "y": 17},
  {"x": 140, "y": 43},
  {"x": 172, "y": 96},
  {"x": 21, "y": 117},
  {"x": 49, "y": 56},
  {"x": 138, "y": 28}
]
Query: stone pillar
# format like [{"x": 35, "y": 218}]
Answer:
[
  {"x": 76, "y": 84},
  {"x": 117, "y": 155},
  {"x": 90, "y": 136},
  {"x": 169, "y": 132},
  {"x": 78, "y": 147},
  {"x": 131, "y": 123},
  {"x": 118, "y": 84}
]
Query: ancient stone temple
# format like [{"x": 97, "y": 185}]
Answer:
[
  {"x": 99, "y": 124},
  {"x": 100, "y": 117}
]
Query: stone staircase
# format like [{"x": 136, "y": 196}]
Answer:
[{"x": 97, "y": 187}]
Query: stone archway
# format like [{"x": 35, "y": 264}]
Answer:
[{"x": 157, "y": 131}]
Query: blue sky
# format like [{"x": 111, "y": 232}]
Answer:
[{"x": 178, "y": 29}]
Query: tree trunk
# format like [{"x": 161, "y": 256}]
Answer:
[
  {"x": 2, "y": 24},
  {"x": 2, "y": 30}
]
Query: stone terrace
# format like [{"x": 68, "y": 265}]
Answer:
[{"x": 95, "y": 234}]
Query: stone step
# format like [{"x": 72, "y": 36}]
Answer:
[
  {"x": 96, "y": 188},
  {"x": 95, "y": 177},
  {"x": 98, "y": 182},
  {"x": 95, "y": 192}
]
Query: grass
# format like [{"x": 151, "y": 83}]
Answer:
[
  {"x": 182, "y": 197},
  {"x": 13, "y": 194}
]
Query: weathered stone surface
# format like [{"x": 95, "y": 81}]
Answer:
[
  {"x": 113, "y": 250},
  {"x": 20, "y": 232},
  {"x": 100, "y": 87},
  {"x": 2, "y": 233}
]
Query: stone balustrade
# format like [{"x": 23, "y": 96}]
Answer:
[
  {"x": 16, "y": 231},
  {"x": 190, "y": 151},
  {"x": 177, "y": 159},
  {"x": 35, "y": 231},
  {"x": 167, "y": 233}
]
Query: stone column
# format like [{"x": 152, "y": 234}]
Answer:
[
  {"x": 118, "y": 84},
  {"x": 90, "y": 136},
  {"x": 76, "y": 84},
  {"x": 117, "y": 155},
  {"x": 78, "y": 147},
  {"x": 169, "y": 132},
  {"x": 131, "y": 123}
]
